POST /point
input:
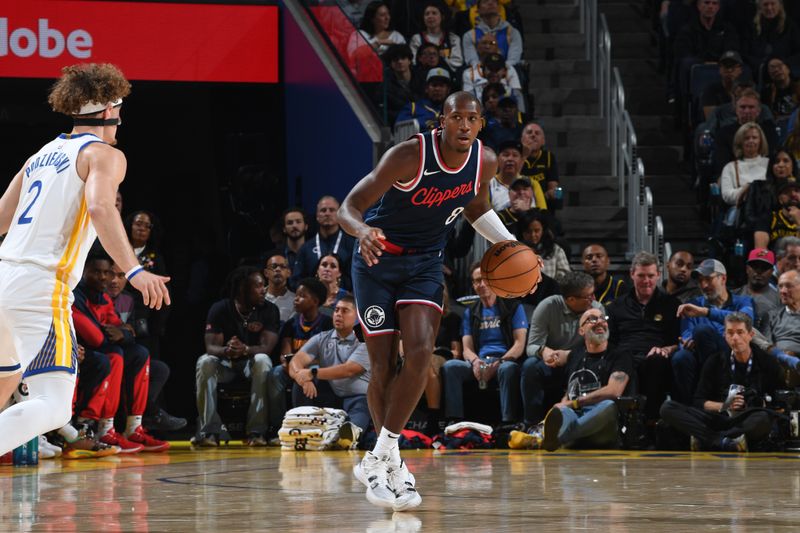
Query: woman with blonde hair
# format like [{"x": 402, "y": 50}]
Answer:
[
  {"x": 751, "y": 149},
  {"x": 771, "y": 34}
]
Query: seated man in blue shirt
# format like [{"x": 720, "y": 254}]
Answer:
[
  {"x": 703, "y": 326},
  {"x": 332, "y": 368},
  {"x": 493, "y": 335}
]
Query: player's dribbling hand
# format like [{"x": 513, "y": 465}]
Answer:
[
  {"x": 371, "y": 245},
  {"x": 153, "y": 288}
]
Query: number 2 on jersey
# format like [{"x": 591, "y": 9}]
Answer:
[{"x": 24, "y": 218}]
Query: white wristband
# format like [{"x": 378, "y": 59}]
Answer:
[
  {"x": 491, "y": 227},
  {"x": 132, "y": 272}
]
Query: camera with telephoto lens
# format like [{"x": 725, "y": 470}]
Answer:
[{"x": 786, "y": 431}]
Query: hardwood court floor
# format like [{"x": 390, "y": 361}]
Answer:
[{"x": 233, "y": 489}]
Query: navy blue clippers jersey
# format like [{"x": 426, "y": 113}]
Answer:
[{"x": 418, "y": 214}]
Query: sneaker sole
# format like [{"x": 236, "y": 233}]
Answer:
[
  {"x": 552, "y": 425},
  {"x": 409, "y": 504},
  {"x": 156, "y": 449},
  {"x": 374, "y": 500}
]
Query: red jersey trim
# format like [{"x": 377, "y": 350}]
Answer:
[
  {"x": 440, "y": 160},
  {"x": 480, "y": 167},
  {"x": 411, "y": 185}
]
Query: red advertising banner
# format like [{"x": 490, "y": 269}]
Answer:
[{"x": 148, "y": 41}]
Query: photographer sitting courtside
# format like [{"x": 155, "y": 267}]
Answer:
[{"x": 727, "y": 413}]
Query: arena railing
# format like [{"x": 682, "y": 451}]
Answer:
[{"x": 645, "y": 232}]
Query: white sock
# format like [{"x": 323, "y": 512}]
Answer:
[
  {"x": 49, "y": 406},
  {"x": 104, "y": 425},
  {"x": 386, "y": 446},
  {"x": 134, "y": 421},
  {"x": 69, "y": 433}
]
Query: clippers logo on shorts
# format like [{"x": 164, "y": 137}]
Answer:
[{"x": 374, "y": 316}]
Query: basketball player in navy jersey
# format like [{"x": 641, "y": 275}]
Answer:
[{"x": 401, "y": 214}]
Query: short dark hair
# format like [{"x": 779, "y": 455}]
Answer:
[
  {"x": 317, "y": 289},
  {"x": 740, "y": 318},
  {"x": 348, "y": 298},
  {"x": 294, "y": 209},
  {"x": 496, "y": 87},
  {"x": 237, "y": 280},
  {"x": 97, "y": 253},
  {"x": 397, "y": 51},
  {"x": 573, "y": 283}
]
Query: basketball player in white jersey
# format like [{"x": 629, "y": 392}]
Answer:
[{"x": 61, "y": 199}]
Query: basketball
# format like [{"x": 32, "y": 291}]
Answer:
[{"x": 511, "y": 269}]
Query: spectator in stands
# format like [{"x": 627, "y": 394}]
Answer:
[
  {"x": 704, "y": 39},
  {"x": 494, "y": 69},
  {"x": 536, "y": 233},
  {"x": 607, "y": 287},
  {"x": 540, "y": 163},
  {"x": 276, "y": 272},
  {"x": 771, "y": 34},
  {"x": 781, "y": 92},
  {"x": 787, "y": 254},
  {"x": 308, "y": 321},
  {"x": 744, "y": 364},
  {"x": 332, "y": 368},
  {"x": 508, "y": 125},
  {"x": 586, "y": 416},
  {"x": 426, "y": 111},
  {"x": 726, "y": 114},
  {"x": 679, "y": 282},
  {"x": 771, "y": 209},
  {"x": 99, "y": 328},
  {"x": 509, "y": 39},
  {"x": 553, "y": 334},
  {"x": 435, "y": 32},
  {"x": 354, "y": 9},
  {"x": 509, "y": 160},
  {"x": 428, "y": 58},
  {"x": 241, "y": 332},
  {"x": 330, "y": 238},
  {"x": 376, "y": 30},
  {"x": 466, "y": 14},
  {"x": 155, "y": 418},
  {"x": 644, "y": 322},
  {"x": 144, "y": 233},
  {"x": 492, "y": 93},
  {"x": 294, "y": 230},
  {"x": 521, "y": 196},
  {"x": 328, "y": 271},
  {"x": 493, "y": 337},
  {"x": 760, "y": 265},
  {"x": 721, "y": 92},
  {"x": 782, "y": 328},
  {"x": 399, "y": 80},
  {"x": 750, "y": 149},
  {"x": 748, "y": 109},
  {"x": 702, "y": 326}
]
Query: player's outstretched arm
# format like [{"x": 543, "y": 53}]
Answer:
[
  {"x": 479, "y": 211},
  {"x": 9, "y": 201},
  {"x": 104, "y": 168},
  {"x": 399, "y": 164}
]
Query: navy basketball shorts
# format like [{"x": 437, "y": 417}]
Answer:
[{"x": 396, "y": 280}]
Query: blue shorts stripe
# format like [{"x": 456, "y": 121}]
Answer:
[{"x": 9, "y": 368}]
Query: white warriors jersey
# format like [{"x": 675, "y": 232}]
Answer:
[{"x": 51, "y": 226}]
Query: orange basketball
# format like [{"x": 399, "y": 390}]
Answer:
[{"x": 511, "y": 269}]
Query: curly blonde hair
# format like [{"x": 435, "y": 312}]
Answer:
[{"x": 84, "y": 83}]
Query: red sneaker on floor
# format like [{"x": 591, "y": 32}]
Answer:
[
  {"x": 150, "y": 444},
  {"x": 112, "y": 438}
]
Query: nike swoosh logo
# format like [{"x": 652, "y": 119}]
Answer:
[{"x": 426, "y": 173}]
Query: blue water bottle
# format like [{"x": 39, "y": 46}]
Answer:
[
  {"x": 558, "y": 196},
  {"x": 738, "y": 248},
  {"x": 27, "y": 454}
]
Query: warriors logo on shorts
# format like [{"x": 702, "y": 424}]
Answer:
[{"x": 374, "y": 316}]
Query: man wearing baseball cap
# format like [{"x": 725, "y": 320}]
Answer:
[
  {"x": 438, "y": 85},
  {"x": 760, "y": 266},
  {"x": 703, "y": 326},
  {"x": 509, "y": 162}
]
